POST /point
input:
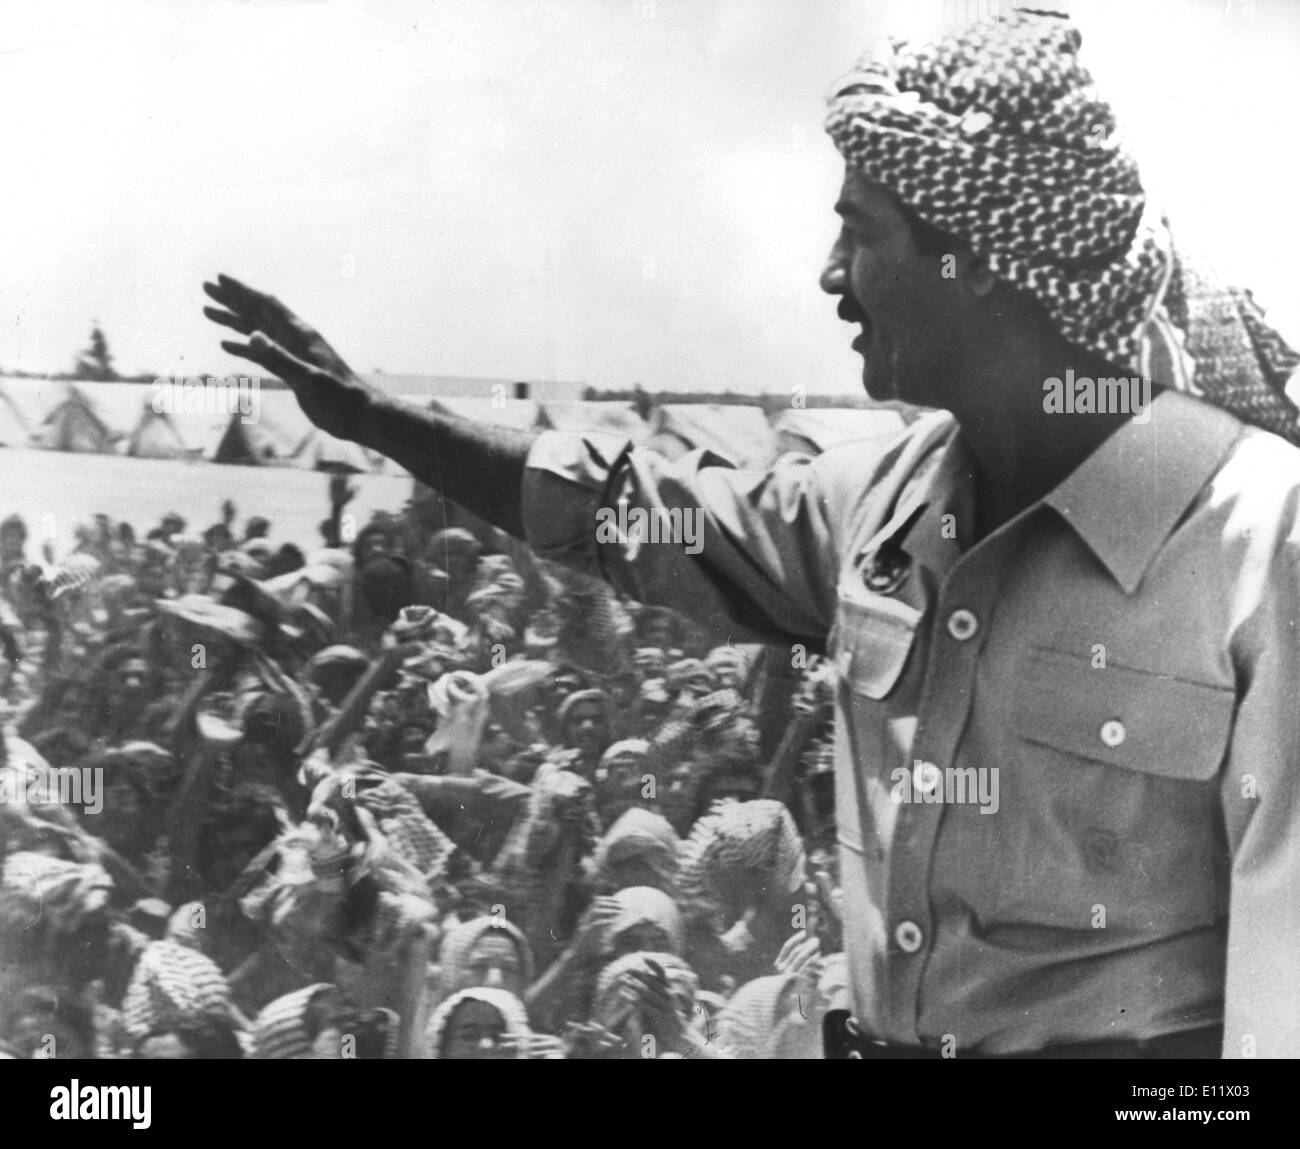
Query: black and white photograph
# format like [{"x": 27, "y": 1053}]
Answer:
[{"x": 651, "y": 529}]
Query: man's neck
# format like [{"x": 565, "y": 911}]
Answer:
[{"x": 1021, "y": 449}]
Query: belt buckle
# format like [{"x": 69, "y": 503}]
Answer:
[{"x": 843, "y": 1037}]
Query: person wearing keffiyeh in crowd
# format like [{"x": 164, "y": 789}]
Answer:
[{"x": 480, "y": 1024}]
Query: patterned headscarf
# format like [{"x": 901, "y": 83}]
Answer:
[
  {"x": 1216, "y": 345},
  {"x": 640, "y": 834},
  {"x": 690, "y": 672},
  {"x": 646, "y": 906},
  {"x": 43, "y": 899},
  {"x": 409, "y": 832},
  {"x": 737, "y": 846},
  {"x": 506, "y": 1004},
  {"x": 281, "y": 1031},
  {"x": 459, "y": 942},
  {"x": 996, "y": 134},
  {"x": 173, "y": 984}
]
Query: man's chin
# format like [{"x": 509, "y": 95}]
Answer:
[{"x": 879, "y": 385}]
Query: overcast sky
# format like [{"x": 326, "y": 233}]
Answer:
[{"x": 611, "y": 191}]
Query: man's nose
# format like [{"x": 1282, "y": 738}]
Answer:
[
  {"x": 494, "y": 979},
  {"x": 834, "y": 276}
]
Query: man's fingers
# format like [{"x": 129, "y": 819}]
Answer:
[
  {"x": 240, "y": 351},
  {"x": 229, "y": 286},
  {"x": 265, "y": 311},
  {"x": 265, "y": 306},
  {"x": 217, "y": 292},
  {"x": 269, "y": 354},
  {"x": 226, "y": 319}
]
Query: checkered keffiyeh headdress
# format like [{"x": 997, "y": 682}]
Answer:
[
  {"x": 173, "y": 984},
  {"x": 998, "y": 135},
  {"x": 281, "y": 1031},
  {"x": 736, "y": 846}
]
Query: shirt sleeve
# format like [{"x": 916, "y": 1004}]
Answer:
[
  {"x": 1261, "y": 804},
  {"x": 751, "y": 552}
]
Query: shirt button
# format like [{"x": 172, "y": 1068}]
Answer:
[
  {"x": 908, "y": 937},
  {"x": 925, "y": 777},
  {"x": 1113, "y": 732},
  {"x": 962, "y": 624}
]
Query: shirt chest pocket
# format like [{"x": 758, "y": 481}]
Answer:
[
  {"x": 874, "y": 637},
  {"x": 1154, "y": 724}
]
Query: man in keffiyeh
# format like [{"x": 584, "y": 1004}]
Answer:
[
  {"x": 998, "y": 151},
  {"x": 1059, "y": 609}
]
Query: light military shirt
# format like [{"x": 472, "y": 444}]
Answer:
[{"x": 1066, "y": 756}]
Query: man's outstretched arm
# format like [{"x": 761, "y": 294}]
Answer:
[
  {"x": 754, "y": 554},
  {"x": 479, "y": 466}
]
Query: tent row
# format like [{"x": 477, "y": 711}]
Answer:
[{"x": 268, "y": 428}]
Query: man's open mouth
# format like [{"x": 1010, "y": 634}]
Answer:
[{"x": 849, "y": 311}]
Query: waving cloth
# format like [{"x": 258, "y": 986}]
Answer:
[{"x": 997, "y": 135}]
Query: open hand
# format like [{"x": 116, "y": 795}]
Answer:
[{"x": 329, "y": 392}]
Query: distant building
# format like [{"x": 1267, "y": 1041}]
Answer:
[{"x": 467, "y": 387}]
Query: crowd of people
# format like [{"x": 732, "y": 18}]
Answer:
[{"x": 413, "y": 793}]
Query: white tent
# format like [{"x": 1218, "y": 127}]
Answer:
[
  {"x": 32, "y": 400},
  {"x": 74, "y": 423},
  {"x": 159, "y": 435},
  {"x": 816, "y": 429},
  {"x": 16, "y": 425},
  {"x": 740, "y": 434},
  {"x": 271, "y": 435},
  {"x": 121, "y": 406}
]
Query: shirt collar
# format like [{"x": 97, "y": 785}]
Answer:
[{"x": 1123, "y": 500}]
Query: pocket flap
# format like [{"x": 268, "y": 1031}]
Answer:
[
  {"x": 1152, "y": 723},
  {"x": 875, "y": 634}
]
